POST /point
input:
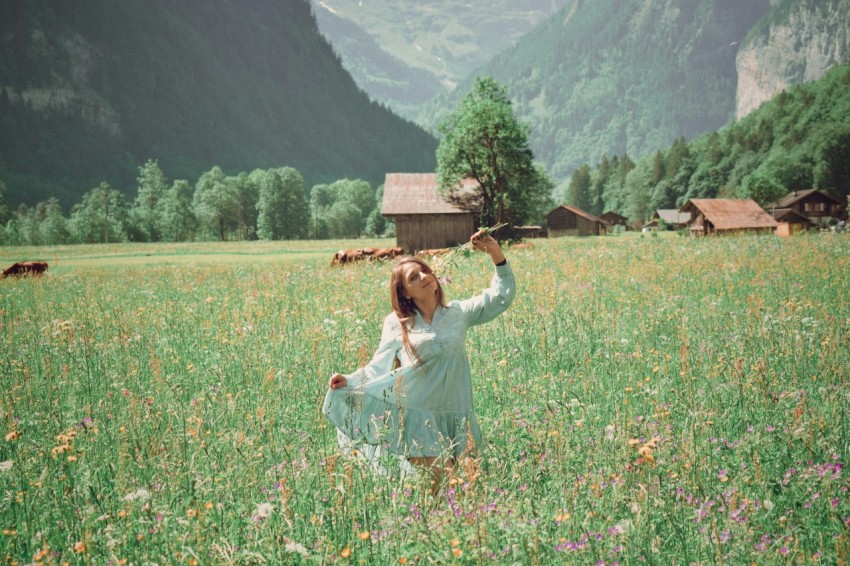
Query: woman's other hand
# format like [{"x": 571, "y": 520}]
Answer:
[
  {"x": 337, "y": 381},
  {"x": 484, "y": 242}
]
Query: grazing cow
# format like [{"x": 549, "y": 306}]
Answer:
[
  {"x": 433, "y": 253},
  {"x": 387, "y": 253},
  {"x": 348, "y": 256},
  {"x": 24, "y": 268}
]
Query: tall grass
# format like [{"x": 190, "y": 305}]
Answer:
[{"x": 651, "y": 400}]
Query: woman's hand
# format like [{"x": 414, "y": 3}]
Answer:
[
  {"x": 484, "y": 242},
  {"x": 337, "y": 381}
]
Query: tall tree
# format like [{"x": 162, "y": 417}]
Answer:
[
  {"x": 483, "y": 140},
  {"x": 103, "y": 216},
  {"x": 5, "y": 211},
  {"x": 146, "y": 212},
  {"x": 217, "y": 205},
  {"x": 179, "y": 223},
  {"x": 283, "y": 210},
  {"x": 359, "y": 193},
  {"x": 578, "y": 193}
]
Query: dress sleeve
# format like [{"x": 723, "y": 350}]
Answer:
[
  {"x": 493, "y": 301},
  {"x": 384, "y": 358}
]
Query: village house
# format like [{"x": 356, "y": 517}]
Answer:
[
  {"x": 723, "y": 216},
  {"x": 614, "y": 219},
  {"x": 672, "y": 217},
  {"x": 571, "y": 221},
  {"x": 818, "y": 207},
  {"x": 423, "y": 218}
]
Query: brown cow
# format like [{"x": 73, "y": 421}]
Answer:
[
  {"x": 432, "y": 253},
  {"x": 348, "y": 256},
  {"x": 387, "y": 253},
  {"x": 24, "y": 268}
]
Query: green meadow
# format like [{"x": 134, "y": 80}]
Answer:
[{"x": 645, "y": 400}]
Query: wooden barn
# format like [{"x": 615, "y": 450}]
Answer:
[
  {"x": 423, "y": 219},
  {"x": 614, "y": 219},
  {"x": 790, "y": 221},
  {"x": 818, "y": 207},
  {"x": 721, "y": 216},
  {"x": 571, "y": 221},
  {"x": 672, "y": 217}
]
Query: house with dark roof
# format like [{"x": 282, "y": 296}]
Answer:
[
  {"x": 817, "y": 206},
  {"x": 571, "y": 221},
  {"x": 423, "y": 218},
  {"x": 723, "y": 216}
]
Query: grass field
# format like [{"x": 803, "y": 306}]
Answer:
[{"x": 648, "y": 400}]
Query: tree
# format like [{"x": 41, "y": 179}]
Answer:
[
  {"x": 146, "y": 211},
  {"x": 179, "y": 223},
  {"x": 322, "y": 198},
  {"x": 103, "y": 216},
  {"x": 762, "y": 189},
  {"x": 482, "y": 140},
  {"x": 283, "y": 210},
  {"x": 342, "y": 220},
  {"x": 359, "y": 193},
  {"x": 5, "y": 211},
  {"x": 578, "y": 193},
  {"x": 376, "y": 223},
  {"x": 53, "y": 225},
  {"x": 216, "y": 205}
]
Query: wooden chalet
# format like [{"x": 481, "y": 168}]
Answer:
[
  {"x": 720, "y": 215},
  {"x": 790, "y": 221},
  {"x": 614, "y": 219},
  {"x": 815, "y": 205},
  {"x": 571, "y": 221},
  {"x": 424, "y": 220}
]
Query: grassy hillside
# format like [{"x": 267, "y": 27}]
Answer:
[{"x": 92, "y": 90}]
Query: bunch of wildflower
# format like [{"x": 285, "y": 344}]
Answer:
[{"x": 442, "y": 264}]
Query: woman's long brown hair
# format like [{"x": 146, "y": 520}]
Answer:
[{"x": 403, "y": 307}]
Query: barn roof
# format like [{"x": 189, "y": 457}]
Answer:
[
  {"x": 789, "y": 215},
  {"x": 673, "y": 216},
  {"x": 730, "y": 214},
  {"x": 580, "y": 212},
  {"x": 795, "y": 196},
  {"x": 417, "y": 193}
]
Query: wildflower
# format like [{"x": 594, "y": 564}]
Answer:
[
  {"x": 364, "y": 535},
  {"x": 191, "y": 513},
  {"x": 208, "y": 505},
  {"x": 402, "y": 560},
  {"x": 297, "y": 548},
  {"x": 79, "y": 547},
  {"x": 13, "y": 436},
  {"x": 345, "y": 552},
  {"x": 141, "y": 495},
  {"x": 264, "y": 510},
  {"x": 6, "y": 466}
]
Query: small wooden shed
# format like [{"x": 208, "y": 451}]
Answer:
[
  {"x": 571, "y": 221},
  {"x": 720, "y": 215},
  {"x": 424, "y": 220}
]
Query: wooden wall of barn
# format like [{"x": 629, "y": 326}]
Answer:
[{"x": 416, "y": 232}]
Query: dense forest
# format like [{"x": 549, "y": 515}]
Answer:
[
  {"x": 92, "y": 89},
  {"x": 622, "y": 76},
  {"x": 799, "y": 140}
]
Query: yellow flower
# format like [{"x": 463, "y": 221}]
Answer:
[
  {"x": 38, "y": 556},
  {"x": 455, "y": 542},
  {"x": 457, "y": 552},
  {"x": 364, "y": 535},
  {"x": 402, "y": 560},
  {"x": 345, "y": 552},
  {"x": 79, "y": 547},
  {"x": 13, "y": 436},
  {"x": 191, "y": 513},
  {"x": 208, "y": 505}
]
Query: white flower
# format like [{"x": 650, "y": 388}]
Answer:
[
  {"x": 768, "y": 504},
  {"x": 141, "y": 495},
  {"x": 293, "y": 546},
  {"x": 6, "y": 466},
  {"x": 264, "y": 510}
]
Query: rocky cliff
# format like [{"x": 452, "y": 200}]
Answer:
[{"x": 798, "y": 41}]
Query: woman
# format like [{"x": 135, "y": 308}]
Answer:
[{"x": 422, "y": 410}]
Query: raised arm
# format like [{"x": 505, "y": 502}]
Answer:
[{"x": 498, "y": 297}]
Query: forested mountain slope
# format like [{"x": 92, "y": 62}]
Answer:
[
  {"x": 621, "y": 76},
  {"x": 90, "y": 90}
]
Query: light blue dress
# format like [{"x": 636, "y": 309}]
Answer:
[{"x": 416, "y": 411}]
